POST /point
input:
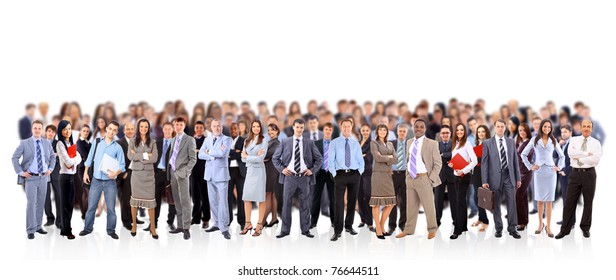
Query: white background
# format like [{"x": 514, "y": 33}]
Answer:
[{"x": 127, "y": 51}]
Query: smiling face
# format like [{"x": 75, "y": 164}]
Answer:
[
  {"x": 481, "y": 133},
  {"x": 272, "y": 133},
  {"x": 85, "y": 131},
  {"x": 256, "y": 128},
  {"x": 420, "y": 129},
  {"x": 586, "y": 128},
  {"x": 37, "y": 130},
  {"x": 66, "y": 132},
  {"x": 546, "y": 128},
  {"x": 460, "y": 131},
  {"x": 365, "y": 132},
  {"x": 144, "y": 129}
]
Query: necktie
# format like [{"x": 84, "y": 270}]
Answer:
[
  {"x": 39, "y": 156},
  {"x": 347, "y": 153},
  {"x": 163, "y": 157},
  {"x": 400, "y": 156},
  {"x": 325, "y": 154},
  {"x": 214, "y": 142},
  {"x": 412, "y": 161},
  {"x": 503, "y": 155},
  {"x": 176, "y": 147},
  {"x": 297, "y": 157},
  {"x": 314, "y": 136},
  {"x": 584, "y": 149}
]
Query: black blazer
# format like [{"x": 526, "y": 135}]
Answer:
[
  {"x": 199, "y": 168},
  {"x": 446, "y": 174},
  {"x": 320, "y": 146},
  {"x": 124, "y": 144},
  {"x": 567, "y": 168},
  {"x": 83, "y": 148},
  {"x": 233, "y": 155},
  {"x": 25, "y": 128},
  {"x": 159, "y": 146}
]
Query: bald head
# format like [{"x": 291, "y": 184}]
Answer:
[
  {"x": 129, "y": 130},
  {"x": 586, "y": 128}
]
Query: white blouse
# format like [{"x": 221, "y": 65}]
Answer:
[{"x": 468, "y": 154}]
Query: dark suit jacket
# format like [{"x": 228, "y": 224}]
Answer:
[
  {"x": 239, "y": 146},
  {"x": 320, "y": 146},
  {"x": 159, "y": 146},
  {"x": 199, "y": 168},
  {"x": 25, "y": 128},
  {"x": 491, "y": 165},
  {"x": 124, "y": 144},
  {"x": 312, "y": 158},
  {"x": 567, "y": 168},
  {"x": 446, "y": 174}
]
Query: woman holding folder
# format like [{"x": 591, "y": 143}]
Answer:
[
  {"x": 69, "y": 159},
  {"x": 463, "y": 160},
  {"x": 483, "y": 133}
]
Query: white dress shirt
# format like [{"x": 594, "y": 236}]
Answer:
[
  {"x": 468, "y": 154},
  {"x": 302, "y": 164},
  {"x": 593, "y": 146},
  {"x": 421, "y": 166},
  {"x": 233, "y": 162}
]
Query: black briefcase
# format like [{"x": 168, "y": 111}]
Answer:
[{"x": 485, "y": 199}]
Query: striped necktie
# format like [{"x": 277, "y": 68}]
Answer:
[
  {"x": 413, "y": 161},
  {"x": 347, "y": 153},
  {"x": 503, "y": 155},
  {"x": 39, "y": 157},
  {"x": 296, "y": 165}
]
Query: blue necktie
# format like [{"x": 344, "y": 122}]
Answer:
[
  {"x": 161, "y": 165},
  {"x": 347, "y": 153},
  {"x": 39, "y": 156},
  {"x": 296, "y": 164}
]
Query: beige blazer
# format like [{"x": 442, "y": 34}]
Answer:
[{"x": 431, "y": 157}]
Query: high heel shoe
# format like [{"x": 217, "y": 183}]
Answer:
[
  {"x": 521, "y": 227},
  {"x": 258, "y": 230},
  {"x": 155, "y": 236},
  {"x": 483, "y": 227},
  {"x": 273, "y": 223},
  {"x": 540, "y": 230},
  {"x": 477, "y": 223},
  {"x": 246, "y": 229},
  {"x": 550, "y": 234}
]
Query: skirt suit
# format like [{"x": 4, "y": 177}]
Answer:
[
  {"x": 254, "y": 185},
  {"x": 544, "y": 179},
  {"x": 383, "y": 192},
  {"x": 142, "y": 177}
]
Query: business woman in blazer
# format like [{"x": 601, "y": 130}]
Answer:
[
  {"x": 544, "y": 170},
  {"x": 253, "y": 154},
  {"x": 500, "y": 172},
  {"x": 142, "y": 152}
]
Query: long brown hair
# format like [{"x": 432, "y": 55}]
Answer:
[
  {"x": 540, "y": 132},
  {"x": 526, "y": 128},
  {"x": 455, "y": 139},
  {"x": 252, "y": 136},
  {"x": 384, "y": 140}
]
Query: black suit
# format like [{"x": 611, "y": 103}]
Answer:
[
  {"x": 25, "y": 128},
  {"x": 54, "y": 183},
  {"x": 399, "y": 179},
  {"x": 124, "y": 188},
  {"x": 198, "y": 189},
  {"x": 161, "y": 181},
  {"x": 323, "y": 177},
  {"x": 564, "y": 180},
  {"x": 238, "y": 175},
  {"x": 447, "y": 181}
]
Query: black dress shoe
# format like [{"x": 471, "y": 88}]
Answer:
[
  {"x": 454, "y": 236},
  {"x": 533, "y": 212},
  {"x": 371, "y": 228},
  {"x": 586, "y": 233},
  {"x": 171, "y": 226},
  {"x": 311, "y": 226},
  {"x": 380, "y": 236},
  {"x": 515, "y": 235},
  {"x": 521, "y": 228},
  {"x": 472, "y": 215},
  {"x": 177, "y": 230},
  {"x": 390, "y": 231},
  {"x": 212, "y": 229},
  {"x": 335, "y": 237},
  {"x": 49, "y": 223},
  {"x": 226, "y": 235},
  {"x": 351, "y": 231},
  {"x": 308, "y": 234},
  {"x": 69, "y": 236},
  {"x": 362, "y": 224},
  {"x": 84, "y": 233},
  {"x": 561, "y": 235},
  {"x": 128, "y": 227},
  {"x": 186, "y": 234},
  {"x": 387, "y": 233},
  {"x": 205, "y": 225},
  {"x": 281, "y": 235},
  {"x": 559, "y": 223},
  {"x": 41, "y": 231},
  {"x": 498, "y": 234},
  {"x": 30, "y": 235},
  {"x": 148, "y": 228},
  {"x": 114, "y": 235},
  {"x": 140, "y": 222},
  {"x": 195, "y": 222}
]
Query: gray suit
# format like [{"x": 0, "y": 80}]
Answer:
[
  {"x": 36, "y": 186},
  {"x": 186, "y": 158},
  {"x": 313, "y": 161},
  {"x": 502, "y": 183}
]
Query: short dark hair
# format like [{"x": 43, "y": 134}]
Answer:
[
  {"x": 313, "y": 117},
  {"x": 113, "y": 123},
  {"x": 52, "y": 127},
  {"x": 200, "y": 122},
  {"x": 347, "y": 120},
  {"x": 328, "y": 124},
  {"x": 446, "y": 126},
  {"x": 37, "y": 121},
  {"x": 30, "y": 106},
  {"x": 500, "y": 121},
  {"x": 567, "y": 127},
  {"x": 299, "y": 121},
  {"x": 423, "y": 121},
  {"x": 180, "y": 119}
]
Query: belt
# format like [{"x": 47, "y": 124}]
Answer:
[
  {"x": 399, "y": 171},
  {"x": 297, "y": 175},
  {"x": 346, "y": 170},
  {"x": 37, "y": 174},
  {"x": 421, "y": 174},
  {"x": 583, "y": 169}
]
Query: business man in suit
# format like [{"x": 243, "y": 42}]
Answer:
[
  {"x": 399, "y": 179},
  {"x": 323, "y": 177},
  {"x": 346, "y": 164},
  {"x": 313, "y": 133},
  {"x": 37, "y": 161},
  {"x": 123, "y": 181},
  {"x": 183, "y": 159},
  {"x": 447, "y": 178},
  {"x": 198, "y": 186},
  {"x": 215, "y": 151},
  {"x": 25, "y": 123},
  {"x": 237, "y": 175},
  {"x": 500, "y": 172},
  {"x": 297, "y": 159},
  {"x": 563, "y": 175},
  {"x": 423, "y": 170},
  {"x": 160, "y": 175}
]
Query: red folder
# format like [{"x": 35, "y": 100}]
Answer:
[
  {"x": 72, "y": 151},
  {"x": 458, "y": 162},
  {"x": 478, "y": 150}
]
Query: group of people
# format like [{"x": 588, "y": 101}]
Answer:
[{"x": 391, "y": 165}]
